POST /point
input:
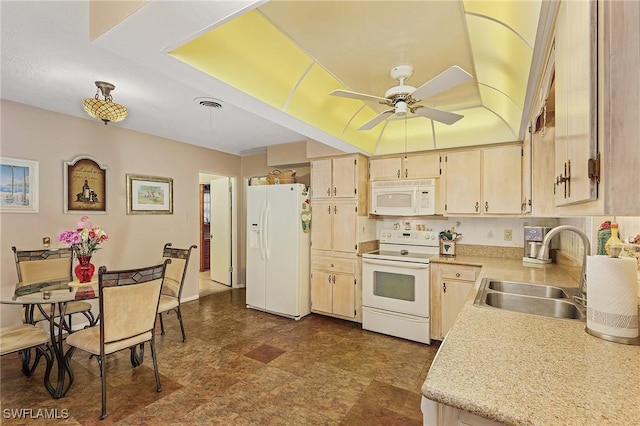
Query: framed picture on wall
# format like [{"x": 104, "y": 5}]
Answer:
[
  {"x": 18, "y": 185},
  {"x": 85, "y": 185},
  {"x": 149, "y": 195}
]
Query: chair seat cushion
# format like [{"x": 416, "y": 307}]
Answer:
[
  {"x": 72, "y": 308},
  {"x": 21, "y": 336},
  {"x": 167, "y": 303},
  {"x": 88, "y": 340}
]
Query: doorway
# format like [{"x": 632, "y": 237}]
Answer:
[{"x": 218, "y": 231}]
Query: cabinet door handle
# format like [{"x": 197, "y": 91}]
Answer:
[
  {"x": 398, "y": 173},
  {"x": 486, "y": 206},
  {"x": 335, "y": 209},
  {"x": 329, "y": 209},
  {"x": 329, "y": 279},
  {"x": 328, "y": 192},
  {"x": 334, "y": 191},
  {"x": 444, "y": 287},
  {"x": 406, "y": 173},
  {"x": 457, "y": 274},
  {"x": 477, "y": 206},
  {"x": 334, "y": 279}
]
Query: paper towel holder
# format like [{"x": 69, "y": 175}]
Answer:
[{"x": 635, "y": 341}]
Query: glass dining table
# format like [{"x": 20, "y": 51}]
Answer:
[{"x": 51, "y": 299}]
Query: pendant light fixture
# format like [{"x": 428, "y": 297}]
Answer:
[{"x": 105, "y": 110}]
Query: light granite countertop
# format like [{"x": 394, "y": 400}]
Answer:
[{"x": 522, "y": 369}]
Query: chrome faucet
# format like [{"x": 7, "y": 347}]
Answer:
[{"x": 543, "y": 254}]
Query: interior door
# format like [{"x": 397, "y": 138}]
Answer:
[{"x": 221, "y": 231}]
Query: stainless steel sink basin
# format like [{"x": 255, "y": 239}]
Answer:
[
  {"x": 537, "y": 299},
  {"x": 528, "y": 289}
]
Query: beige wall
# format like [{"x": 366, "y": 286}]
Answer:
[{"x": 134, "y": 240}]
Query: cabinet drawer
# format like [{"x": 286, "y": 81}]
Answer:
[
  {"x": 334, "y": 264},
  {"x": 459, "y": 272}
]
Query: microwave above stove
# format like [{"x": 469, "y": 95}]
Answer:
[{"x": 403, "y": 198}]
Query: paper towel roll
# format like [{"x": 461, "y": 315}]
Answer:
[{"x": 612, "y": 296}]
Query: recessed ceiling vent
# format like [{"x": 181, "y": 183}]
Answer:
[{"x": 208, "y": 102}]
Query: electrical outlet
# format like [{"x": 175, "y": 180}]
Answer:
[{"x": 508, "y": 235}]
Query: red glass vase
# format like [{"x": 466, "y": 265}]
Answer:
[{"x": 84, "y": 269}]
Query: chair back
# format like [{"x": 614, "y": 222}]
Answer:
[
  {"x": 176, "y": 270},
  {"x": 128, "y": 301},
  {"x": 43, "y": 265}
]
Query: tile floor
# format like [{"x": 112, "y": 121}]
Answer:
[
  {"x": 207, "y": 286},
  {"x": 240, "y": 367}
]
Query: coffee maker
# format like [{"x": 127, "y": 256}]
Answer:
[{"x": 533, "y": 237}]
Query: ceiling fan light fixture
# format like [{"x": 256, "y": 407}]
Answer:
[
  {"x": 401, "y": 108},
  {"x": 105, "y": 110}
]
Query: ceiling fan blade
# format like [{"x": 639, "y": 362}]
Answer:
[
  {"x": 375, "y": 120},
  {"x": 443, "y": 81},
  {"x": 437, "y": 114},
  {"x": 359, "y": 96}
]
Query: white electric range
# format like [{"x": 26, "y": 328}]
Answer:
[{"x": 395, "y": 284}]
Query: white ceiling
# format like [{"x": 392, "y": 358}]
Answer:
[{"x": 49, "y": 62}]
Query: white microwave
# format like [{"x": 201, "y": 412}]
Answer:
[{"x": 403, "y": 198}]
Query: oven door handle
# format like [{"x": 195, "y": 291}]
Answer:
[{"x": 409, "y": 265}]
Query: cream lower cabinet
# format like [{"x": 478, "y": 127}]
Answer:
[
  {"x": 450, "y": 287},
  {"x": 436, "y": 414},
  {"x": 334, "y": 286}
]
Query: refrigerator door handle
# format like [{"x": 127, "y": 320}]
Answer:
[
  {"x": 262, "y": 244},
  {"x": 267, "y": 237}
]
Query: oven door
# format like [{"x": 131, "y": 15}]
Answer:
[{"x": 396, "y": 286}]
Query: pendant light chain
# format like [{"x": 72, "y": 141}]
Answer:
[{"x": 405, "y": 137}]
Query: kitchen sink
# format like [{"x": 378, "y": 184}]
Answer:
[
  {"x": 528, "y": 289},
  {"x": 537, "y": 299}
]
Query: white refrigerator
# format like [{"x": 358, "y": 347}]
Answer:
[{"x": 277, "y": 267}]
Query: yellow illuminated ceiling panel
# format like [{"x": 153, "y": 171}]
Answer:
[
  {"x": 251, "y": 55},
  {"x": 522, "y": 15},
  {"x": 312, "y": 104},
  {"x": 491, "y": 43},
  {"x": 418, "y": 136},
  {"x": 478, "y": 127},
  {"x": 503, "y": 106}
]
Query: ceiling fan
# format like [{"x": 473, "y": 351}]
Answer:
[{"x": 403, "y": 97}]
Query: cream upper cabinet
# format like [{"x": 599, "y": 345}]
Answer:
[
  {"x": 335, "y": 178},
  {"x": 422, "y": 166},
  {"x": 463, "y": 182},
  {"x": 502, "y": 180},
  {"x": 576, "y": 106},
  {"x": 322, "y": 183},
  {"x": 385, "y": 168},
  {"x": 484, "y": 181},
  {"x": 336, "y": 224}
]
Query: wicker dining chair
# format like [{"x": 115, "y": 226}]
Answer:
[
  {"x": 173, "y": 283},
  {"x": 128, "y": 307},
  {"x": 42, "y": 265}
]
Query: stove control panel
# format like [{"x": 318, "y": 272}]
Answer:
[{"x": 395, "y": 236}]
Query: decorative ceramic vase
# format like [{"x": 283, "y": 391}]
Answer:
[{"x": 84, "y": 269}]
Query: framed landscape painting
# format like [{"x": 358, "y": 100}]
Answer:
[
  {"x": 18, "y": 185},
  {"x": 149, "y": 195}
]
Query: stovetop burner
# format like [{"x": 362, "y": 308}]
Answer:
[{"x": 406, "y": 246}]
